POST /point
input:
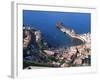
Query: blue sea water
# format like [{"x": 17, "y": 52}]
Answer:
[{"x": 45, "y": 21}]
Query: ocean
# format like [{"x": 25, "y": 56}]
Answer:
[{"x": 45, "y": 21}]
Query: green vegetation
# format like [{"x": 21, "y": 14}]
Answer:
[{"x": 34, "y": 63}]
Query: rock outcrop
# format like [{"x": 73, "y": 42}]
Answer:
[
  {"x": 85, "y": 38},
  {"x": 33, "y": 46}
]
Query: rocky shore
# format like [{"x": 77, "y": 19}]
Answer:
[{"x": 37, "y": 52}]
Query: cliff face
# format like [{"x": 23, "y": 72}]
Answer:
[
  {"x": 26, "y": 38},
  {"x": 33, "y": 37}
]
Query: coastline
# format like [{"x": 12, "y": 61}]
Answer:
[{"x": 73, "y": 56}]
